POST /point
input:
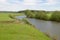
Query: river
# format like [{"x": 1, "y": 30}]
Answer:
[{"x": 48, "y": 27}]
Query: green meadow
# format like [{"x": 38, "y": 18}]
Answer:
[
  {"x": 13, "y": 30},
  {"x": 5, "y": 16}
]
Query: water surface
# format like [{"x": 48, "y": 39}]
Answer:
[{"x": 52, "y": 28}]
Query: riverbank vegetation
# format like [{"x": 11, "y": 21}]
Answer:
[
  {"x": 43, "y": 15},
  {"x": 11, "y": 29}
]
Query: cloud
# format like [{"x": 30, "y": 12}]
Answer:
[
  {"x": 29, "y": 2},
  {"x": 14, "y": 1},
  {"x": 3, "y": 1},
  {"x": 33, "y": 2},
  {"x": 11, "y": 5},
  {"x": 51, "y": 2},
  {"x": 48, "y": 2},
  {"x": 15, "y": 5}
]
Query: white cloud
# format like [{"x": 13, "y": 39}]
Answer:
[
  {"x": 29, "y": 2},
  {"x": 51, "y": 2},
  {"x": 11, "y": 5},
  {"x": 3, "y": 1},
  {"x": 15, "y": 5},
  {"x": 14, "y": 1}
]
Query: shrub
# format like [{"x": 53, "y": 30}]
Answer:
[
  {"x": 41, "y": 15},
  {"x": 11, "y": 16},
  {"x": 55, "y": 16}
]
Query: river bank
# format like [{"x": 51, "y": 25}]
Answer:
[
  {"x": 12, "y": 29},
  {"x": 51, "y": 29}
]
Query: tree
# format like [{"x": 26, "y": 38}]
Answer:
[{"x": 55, "y": 16}]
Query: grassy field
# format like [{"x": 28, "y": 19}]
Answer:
[
  {"x": 18, "y": 31},
  {"x": 5, "y": 16}
]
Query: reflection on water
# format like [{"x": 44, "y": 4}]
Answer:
[{"x": 51, "y": 28}]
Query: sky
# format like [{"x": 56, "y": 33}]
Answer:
[{"x": 16, "y": 5}]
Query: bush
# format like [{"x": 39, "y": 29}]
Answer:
[
  {"x": 41, "y": 15},
  {"x": 38, "y": 15},
  {"x": 44, "y": 15},
  {"x": 55, "y": 16},
  {"x": 11, "y": 16}
]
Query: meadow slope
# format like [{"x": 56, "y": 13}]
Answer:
[{"x": 18, "y": 31}]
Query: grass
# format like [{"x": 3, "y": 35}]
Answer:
[
  {"x": 5, "y": 16},
  {"x": 15, "y": 31},
  {"x": 19, "y": 31}
]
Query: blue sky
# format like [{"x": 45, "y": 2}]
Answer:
[{"x": 16, "y": 5}]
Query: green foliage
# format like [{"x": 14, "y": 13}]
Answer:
[
  {"x": 44, "y": 15},
  {"x": 38, "y": 15},
  {"x": 11, "y": 16},
  {"x": 29, "y": 14},
  {"x": 55, "y": 16},
  {"x": 25, "y": 21},
  {"x": 41, "y": 15}
]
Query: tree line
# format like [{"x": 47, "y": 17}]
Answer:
[{"x": 43, "y": 15}]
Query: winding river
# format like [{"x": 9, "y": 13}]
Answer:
[{"x": 48, "y": 27}]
